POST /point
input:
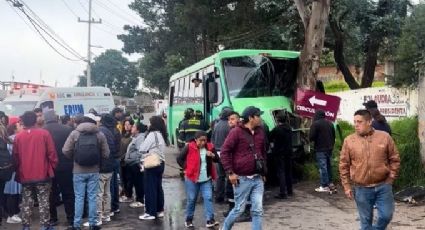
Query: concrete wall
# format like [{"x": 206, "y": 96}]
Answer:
[{"x": 392, "y": 103}]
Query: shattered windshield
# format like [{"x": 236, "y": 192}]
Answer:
[{"x": 260, "y": 76}]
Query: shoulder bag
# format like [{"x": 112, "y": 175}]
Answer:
[
  {"x": 260, "y": 164},
  {"x": 152, "y": 158}
]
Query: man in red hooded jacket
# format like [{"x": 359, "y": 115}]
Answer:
[{"x": 35, "y": 159}]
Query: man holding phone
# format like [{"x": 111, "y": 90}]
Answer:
[{"x": 243, "y": 157}]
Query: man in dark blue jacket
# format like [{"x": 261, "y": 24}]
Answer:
[
  {"x": 62, "y": 182},
  {"x": 322, "y": 133}
]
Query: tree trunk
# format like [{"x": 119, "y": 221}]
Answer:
[
  {"x": 339, "y": 55},
  {"x": 314, "y": 26},
  {"x": 370, "y": 62},
  {"x": 421, "y": 111}
]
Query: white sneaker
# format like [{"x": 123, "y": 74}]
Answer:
[
  {"x": 125, "y": 199},
  {"x": 146, "y": 217},
  {"x": 87, "y": 224},
  {"x": 160, "y": 214},
  {"x": 15, "y": 219},
  {"x": 322, "y": 189},
  {"x": 137, "y": 205},
  {"x": 106, "y": 218}
]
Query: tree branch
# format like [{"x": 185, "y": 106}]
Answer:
[
  {"x": 339, "y": 54},
  {"x": 300, "y": 4}
]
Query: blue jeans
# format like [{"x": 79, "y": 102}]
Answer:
[
  {"x": 366, "y": 197},
  {"x": 192, "y": 190},
  {"x": 115, "y": 202},
  {"x": 247, "y": 188},
  {"x": 81, "y": 182},
  {"x": 325, "y": 169}
]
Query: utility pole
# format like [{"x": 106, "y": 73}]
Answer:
[{"x": 89, "y": 22}]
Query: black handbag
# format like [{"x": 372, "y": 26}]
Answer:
[
  {"x": 6, "y": 165},
  {"x": 260, "y": 164}
]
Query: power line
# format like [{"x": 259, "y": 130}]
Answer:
[
  {"x": 105, "y": 31},
  {"x": 69, "y": 8},
  {"x": 55, "y": 36},
  {"x": 125, "y": 18},
  {"x": 22, "y": 18},
  {"x": 125, "y": 13},
  {"x": 37, "y": 28},
  {"x": 106, "y": 23},
  {"x": 45, "y": 40}
]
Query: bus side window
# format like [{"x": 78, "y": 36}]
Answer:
[
  {"x": 219, "y": 92},
  {"x": 171, "y": 102},
  {"x": 199, "y": 91},
  {"x": 176, "y": 92},
  {"x": 186, "y": 86},
  {"x": 192, "y": 87},
  {"x": 47, "y": 105}
]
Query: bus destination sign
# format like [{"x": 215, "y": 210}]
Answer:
[{"x": 308, "y": 101}]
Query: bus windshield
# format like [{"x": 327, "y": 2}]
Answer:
[
  {"x": 17, "y": 108},
  {"x": 260, "y": 76}
]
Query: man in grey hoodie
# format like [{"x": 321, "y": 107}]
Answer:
[{"x": 86, "y": 177}]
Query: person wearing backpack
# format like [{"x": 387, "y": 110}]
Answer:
[
  {"x": 106, "y": 168},
  {"x": 35, "y": 159},
  {"x": 87, "y": 146}
]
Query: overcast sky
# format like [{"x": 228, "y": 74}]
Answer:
[{"x": 27, "y": 57}]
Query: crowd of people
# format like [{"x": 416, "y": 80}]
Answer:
[
  {"x": 239, "y": 143},
  {"x": 46, "y": 160}
]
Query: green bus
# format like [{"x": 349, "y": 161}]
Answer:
[{"x": 237, "y": 79}]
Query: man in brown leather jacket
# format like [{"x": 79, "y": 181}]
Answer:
[{"x": 368, "y": 165}]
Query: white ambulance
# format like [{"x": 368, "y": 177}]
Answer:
[{"x": 65, "y": 101}]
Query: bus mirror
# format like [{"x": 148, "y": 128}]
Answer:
[{"x": 212, "y": 92}]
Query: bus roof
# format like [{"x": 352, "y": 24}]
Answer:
[{"x": 232, "y": 53}]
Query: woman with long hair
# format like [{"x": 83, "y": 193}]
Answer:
[
  {"x": 132, "y": 159},
  {"x": 127, "y": 187},
  {"x": 12, "y": 189},
  {"x": 5, "y": 161},
  {"x": 379, "y": 122},
  {"x": 155, "y": 141}
]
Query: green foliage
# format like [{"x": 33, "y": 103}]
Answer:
[
  {"x": 114, "y": 71},
  {"x": 407, "y": 141},
  {"x": 410, "y": 50},
  {"x": 367, "y": 29},
  {"x": 327, "y": 58},
  {"x": 176, "y": 34},
  {"x": 337, "y": 86}
]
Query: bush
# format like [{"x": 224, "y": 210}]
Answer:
[
  {"x": 337, "y": 86},
  {"x": 405, "y": 135}
]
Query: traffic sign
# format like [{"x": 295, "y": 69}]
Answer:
[{"x": 308, "y": 101}]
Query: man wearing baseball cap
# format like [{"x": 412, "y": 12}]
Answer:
[{"x": 243, "y": 157}]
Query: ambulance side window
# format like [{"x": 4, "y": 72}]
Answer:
[{"x": 47, "y": 105}]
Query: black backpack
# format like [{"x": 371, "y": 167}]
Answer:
[{"x": 87, "y": 151}]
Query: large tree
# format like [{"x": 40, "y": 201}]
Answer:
[
  {"x": 411, "y": 50},
  {"x": 314, "y": 15},
  {"x": 176, "y": 33},
  {"x": 114, "y": 71},
  {"x": 363, "y": 32}
]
